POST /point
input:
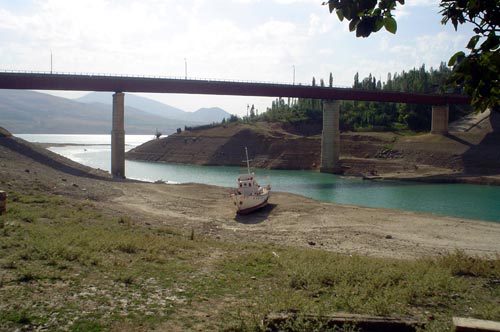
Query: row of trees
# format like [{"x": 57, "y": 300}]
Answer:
[
  {"x": 374, "y": 115},
  {"x": 391, "y": 116}
]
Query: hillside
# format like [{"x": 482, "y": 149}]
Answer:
[
  {"x": 33, "y": 112},
  {"x": 268, "y": 146},
  {"x": 470, "y": 155}
]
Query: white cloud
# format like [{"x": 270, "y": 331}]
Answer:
[
  {"x": 423, "y": 3},
  {"x": 237, "y": 39}
]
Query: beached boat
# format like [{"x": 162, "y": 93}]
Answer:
[{"x": 249, "y": 196}]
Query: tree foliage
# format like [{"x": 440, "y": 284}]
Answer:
[
  {"x": 478, "y": 71},
  {"x": 374, "y": 116},
  {"x": 390, "y": 116}
]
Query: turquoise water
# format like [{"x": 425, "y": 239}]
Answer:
[{"x": 460, "y": 200}]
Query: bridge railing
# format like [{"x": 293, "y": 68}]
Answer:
[{"x": 42, "y": 72}]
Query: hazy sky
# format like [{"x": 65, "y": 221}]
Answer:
[{"x": 258, "y": 40}]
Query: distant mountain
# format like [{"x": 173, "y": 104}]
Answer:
[
  {"x": 32, "y": 112},
  {"x": 209, "y": 115},
  {"x": 201, "y": 116},
  {"x": 138, "y": 102}
]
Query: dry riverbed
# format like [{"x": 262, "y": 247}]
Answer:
[
  {"x": 294, "y": 220},
  {"x": 289, "y": 219}
]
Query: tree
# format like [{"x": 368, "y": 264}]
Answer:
[
  {"x": 158, "y": 134},
  {"x": 252, "y": 112},
  {"x": 356, "y": 85},
  {"x": 478, "y": 71}
]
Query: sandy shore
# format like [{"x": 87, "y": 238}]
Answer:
[
  {"x": 293, "y": 220},
  {"x": 288, "y": 220}
]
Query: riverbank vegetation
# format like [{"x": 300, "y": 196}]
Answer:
[
  {"x": 366, "y": 116},
  {"x": 71, "y": 265}
]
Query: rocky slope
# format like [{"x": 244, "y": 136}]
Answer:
[{"x": 268, "y": 147}]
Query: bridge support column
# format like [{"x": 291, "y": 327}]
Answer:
[
  {"x": 330, "y": 138},
  {"x": 118, "y": 136},
  {"x": 439, "y": 123}
]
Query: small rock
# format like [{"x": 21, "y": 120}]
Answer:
[
  {"x": 75, "y": 185},
  {"x": 63, "y": 180},
  {"x": 311, "y": 243},
  {"x": 388, "y": 237},
  {"x": 253, "y": 277},
  {"x": 27, "y": 170}
]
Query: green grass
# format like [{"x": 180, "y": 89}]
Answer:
[{"x": 68, "y": 266}]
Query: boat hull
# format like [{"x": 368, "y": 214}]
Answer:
[
  {"x": 253, "y": 208},
  {"x": 248, "y": 203}
]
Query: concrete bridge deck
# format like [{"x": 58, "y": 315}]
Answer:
[{"x": 81, "y": 82}]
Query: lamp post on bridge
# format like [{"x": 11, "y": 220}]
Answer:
[
  {"x": 293, "y": 74},
  {"x": 185, "y": 69}
]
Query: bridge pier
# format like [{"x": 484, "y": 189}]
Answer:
[
  {"x": 330, "y": 137},
  {"x": 439, "y": 124},
  {"x": 118, "y": 136}
]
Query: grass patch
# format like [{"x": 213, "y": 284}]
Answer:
[
  {"x": 320, "y": 282},
  {"x": 86, "y": 325},
  {"x": 17, "y": 317},
  {"x": 84, "y": 271}
]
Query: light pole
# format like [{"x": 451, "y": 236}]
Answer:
[
  {"x": 185, "y": 68},
  {"x": 51, "y": 61},
  {"x": 293, "y": 74}
]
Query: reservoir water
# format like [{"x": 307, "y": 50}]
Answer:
[{"x": 460, "y": 200}]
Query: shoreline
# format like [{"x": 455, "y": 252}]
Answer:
[
  {"x": 290, "y": 219},
  {"x": 480, "y": 180},
  {"x": 435, "y": 177}
]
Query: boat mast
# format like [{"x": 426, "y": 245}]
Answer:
[{"x": 248, "y": 161}]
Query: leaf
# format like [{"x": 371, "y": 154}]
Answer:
[
  {"x": 390, "y": 24},
  {"x": 352, "y": 24},
  {"x": 472, "y": 42},
  {"x": 379, "y": 23},
  {"x": 340, "y": 15},
  {"x": 365, "y": 27},
  {"x": 331, "y": 6},
  {"x": 490, "y": 43},
  {"x": 454, "y": 59}
]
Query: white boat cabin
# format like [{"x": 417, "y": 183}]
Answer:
[{"x": 247, "y": 185}]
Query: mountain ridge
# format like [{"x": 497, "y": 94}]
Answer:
[
  {"x": 31, "y": 112},
  {"x": 201, "y": 116}
]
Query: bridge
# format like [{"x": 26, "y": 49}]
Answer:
[{"x": 330, "y": 146}]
